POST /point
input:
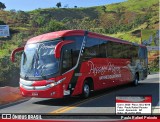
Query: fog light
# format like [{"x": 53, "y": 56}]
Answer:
[
  {"x": 53, "y": 93},
  {"x": 64, "y": 86},
  {"x": 22, "y": 93}
]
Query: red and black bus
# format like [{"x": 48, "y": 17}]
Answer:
[{"x": 75, "y": 62}]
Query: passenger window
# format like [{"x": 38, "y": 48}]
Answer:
[
  {"x": 102, "y": 49},
  {"x": 92, "y": 48},
  {"x": 109, "y": 49},
  {"x": 116, "y": 50}
]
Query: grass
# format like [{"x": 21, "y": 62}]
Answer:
[
  {"x": 146, "y": 33},
  {"x": 20, "y": 28},
  {"x": 126, "y": 36},
  {"x": 133, "y": 5}
]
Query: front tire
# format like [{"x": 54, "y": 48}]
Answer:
[{"x": 86, "y": 91}]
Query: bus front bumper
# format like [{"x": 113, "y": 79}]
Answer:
[{"x": 53, "y": 92}]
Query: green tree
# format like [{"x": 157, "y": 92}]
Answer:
[
  {"x": 22, "y": 16},
  {"x": 58, "y": 4},
  {"x": 107, "y": 21},
  {"x": 2, "y": 23},
  {"x": 39, "y": 20},
  {"x": 54, "y": 25},
  {"x": 104, "y": 9},
  {"x": 51, "y": 26},
  {"x": 2, "y": 6}
]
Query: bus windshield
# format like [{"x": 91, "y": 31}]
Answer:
[{"x": 38, "y": 60}]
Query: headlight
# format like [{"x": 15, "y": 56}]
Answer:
[{"x": 56, "y": 83}]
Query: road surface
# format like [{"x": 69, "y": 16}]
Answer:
[{"x": 102, "y": 102}]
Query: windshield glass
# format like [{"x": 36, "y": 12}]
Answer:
[{"x": 38, "y": 60}]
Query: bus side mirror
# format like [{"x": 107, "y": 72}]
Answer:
[
  {"x": 12, "y": 57},
  {"x": 57, "y": 51}
]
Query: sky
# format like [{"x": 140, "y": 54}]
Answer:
[{"x": 28, "y": 5}]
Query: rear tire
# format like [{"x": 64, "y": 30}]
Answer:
[
  {"x": 136, "y": 79},
  {"x": 86, "y": 90}
]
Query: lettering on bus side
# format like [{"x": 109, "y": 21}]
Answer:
[{"x": 95, "y": 70}]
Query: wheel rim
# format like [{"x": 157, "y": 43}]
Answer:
[
  {"x": 86, "y": 90},
  {"x": 136, "y": 81}
]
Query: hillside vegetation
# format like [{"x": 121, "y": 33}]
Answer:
[{"x": 122, "y": 20}]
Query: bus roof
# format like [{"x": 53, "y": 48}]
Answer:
[
  {"x": 54, "y": 35},
  {"x": 63, "y": 33}
]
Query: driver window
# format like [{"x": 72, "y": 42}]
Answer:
[{"x": 67, "y": 58}]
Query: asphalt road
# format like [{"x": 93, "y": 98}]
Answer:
[{"x": 102, "y": 102}]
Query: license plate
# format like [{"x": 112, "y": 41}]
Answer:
[{"x": 34, "y": 93}]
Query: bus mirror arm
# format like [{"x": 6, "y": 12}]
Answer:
[
  {"x": 12, "y": 57},
  {"x": 57, "y": 51}
]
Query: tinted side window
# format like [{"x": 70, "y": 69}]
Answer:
[
  {"x": 120, "y": 50},
  {"x": 116, "y": 50},
  {"x": 67, "y": 57},
  {"x": 102, "y": 48},
  {"x": 78, "y": 40},
  {"x": 126, "y": 51},
  {"x": 76, "y": 46},
  {"x": 91, "y": 48},
  {"x": 134, "y": 50},
  {"x": 129, "y": 51},
  {"x": 109, "y": 49}
]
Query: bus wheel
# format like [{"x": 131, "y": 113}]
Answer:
[
  {"x": 135, "y": 82},
  {"x": 86, "y": 90}
]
